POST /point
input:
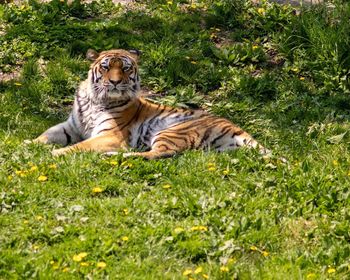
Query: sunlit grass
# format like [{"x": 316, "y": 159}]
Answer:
[{"x": 199, "y": 215}]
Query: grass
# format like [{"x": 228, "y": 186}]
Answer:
[{"x": 283, "y": 77}]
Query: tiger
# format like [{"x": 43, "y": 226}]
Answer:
[{"x": 110, "y": 116}]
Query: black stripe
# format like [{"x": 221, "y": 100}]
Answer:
[
  {"x": 68, "y": 137},
  {"x": 166, "y": 140},
  {"x": 223, "y": 132},
  {"x": 237, "y": 133},
  {"x": 106, "y": 129},
  {"x": 136, "y": 115}
]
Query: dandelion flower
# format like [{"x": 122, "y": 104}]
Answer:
[
  {"x": 205, "y": 276},
  {"x": 255, "y": 47},
  {"x": 97, "y": 190},
  {"x": 125, "y": 238},
  {"x": 39, "y": 218},
  {"x": 113, "y": 162},
  {"x": 253, "y": 248},
  {"x": 187, "y": 272},
  {"x": 84, "y": 264},
  {"x": 79, "y": 257},
  {"x": 226, "y": 171},
  {"x": 125, "y": 211},
  {"x": 311, "y": 276},
  {"x": 302, "y": 78},
  {"x": 264, "y": 253},
  {"x": 9, "y": 178},
  {"x": 167, "y": 186},
  {"x": 42, "y": 178},
  {"x": 261, "y": 11},
  {"x": 199, "y": 269},
  {"x": 52, "y": 166},
  {"x": 330, "y": 270},
  {"x": 101, "y": 264},
  {"x": 211, "y": 169},
  {"x": 34, "y": 168},
  {"x": 178, "y": 230},
  {"x": 199, "y": 228},
  {"x": 224, "y": 269},
  {"x": 335, "y": 162}
]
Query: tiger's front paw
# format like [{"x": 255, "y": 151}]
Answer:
[
  {"x": 41, "y": 139},
  {"x": 59, "y": 152}
]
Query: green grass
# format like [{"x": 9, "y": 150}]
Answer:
[{"x": 282, "y": 77}]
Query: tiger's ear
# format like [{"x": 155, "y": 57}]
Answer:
[
  {"x": 92, "y": 55},
  {"x": 135, "y": 54}
]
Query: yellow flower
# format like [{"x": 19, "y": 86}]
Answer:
[
  {"x": 295, "y": 69},
  {"x": 167, "y": 186},
  {"x": 199, "y": 228},
  {"x": 113, "y": 162},
  {"x": 231, "y": 260},
  {"x": 311, "y": 276},
  {"x": 101, "y": 264},
  {"x": 39, "y": 218},
  {"x": 97, "y": 190},
  {"x": 255, "y": 47},
  {"x": 25, "y": 222},
  {"x": 205, "y": 276},
  {"x": 169, "y": 2},
  {"x": 125, "y": 211},
  {"x": 261, "y": 11},
  {"x": 211, "y": 169},
  {"x": 253, "y": 248},
  {"x": 224, "y": 269},
  {"x": 79, "y": 257},
  {"x": 335, "y": 162},
  {"x": 34, "y": 168},
  {"x": 178, "y": 230},
  {"x": 199, "y": 269},
  {"x": 84, "y": 264},
  {"x": 226, "y": 171},
  {"x": 187, "y": 272},
  {"x": 302, "y": 78},
  {"x": 36, "y": 247},
  {"x": 264, "y": 253},
  {"x": 9, "y": 177},
  {"x": 65, "y": 269},
  {"x": 330, "y": 270},
  {"x": 42, "y": 178},
  {"x": 21, "y": 173},
  {"x": 125, "y": 238},
  {"x": 52, "y": 166},
  {"x": 52, "y": 262},
  {"x": 18, "y": 84}
]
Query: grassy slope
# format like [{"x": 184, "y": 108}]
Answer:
[{"x": 232, "y": 214}]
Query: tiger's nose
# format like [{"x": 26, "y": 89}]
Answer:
[{"x": 115, "y": 82}]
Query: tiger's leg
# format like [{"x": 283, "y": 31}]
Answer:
[
  {"x": 100, "y": 143},
  {"x": 165, "y": 144},
  {"x": 62, "y": 133}
]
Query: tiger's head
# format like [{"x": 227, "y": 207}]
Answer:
[{"x": 114, "y": 74}]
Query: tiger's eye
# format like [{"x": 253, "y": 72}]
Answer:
[{"x": 126, "y": 68}]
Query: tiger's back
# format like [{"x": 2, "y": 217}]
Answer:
[{"x": 109, "y": 116}]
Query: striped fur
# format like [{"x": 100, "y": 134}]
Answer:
[{"x": 108, "y": 116}]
